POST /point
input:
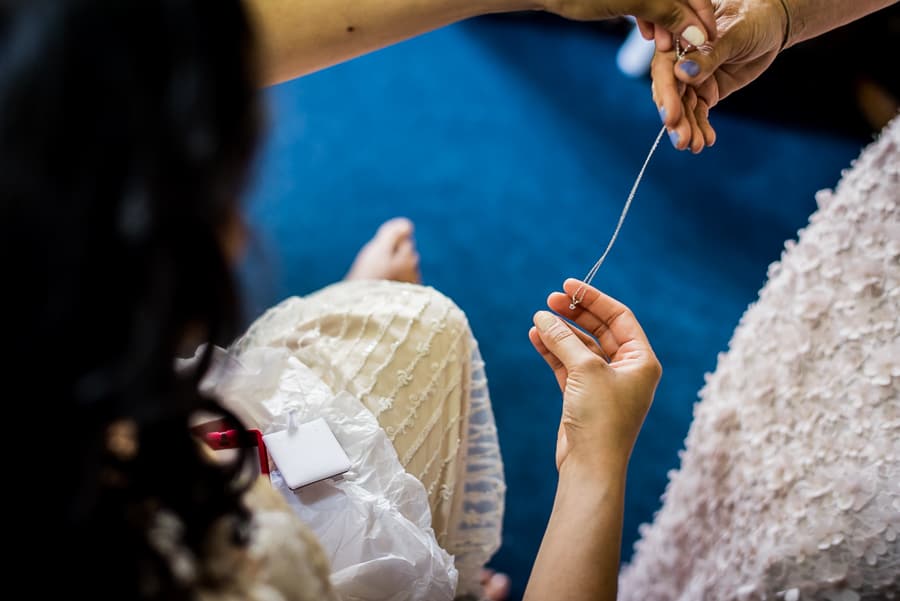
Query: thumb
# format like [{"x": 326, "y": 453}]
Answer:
[
  {"x": 561, "y": 341},
  {"x": 698, "y": 65}
]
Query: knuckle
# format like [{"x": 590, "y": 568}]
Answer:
[
  {"x": 600, "y": 330},
  {"x": 557, "y": 334},
  {"x": 654, "y": 368},
  {"x": 690, "y": 99}
]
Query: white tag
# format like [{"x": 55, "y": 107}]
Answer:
[{"x": 307, "y": 453}]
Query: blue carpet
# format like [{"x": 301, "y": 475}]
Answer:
[{"x": 512, "y": 146}]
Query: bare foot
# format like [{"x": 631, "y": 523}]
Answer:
[
  {"x": 390, "y": 255},
  {"x": 495, "y": 585}
]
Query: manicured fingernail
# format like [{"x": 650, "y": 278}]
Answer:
[
  {"x": 690, "y": 68},
  {"x": 544, "y": 321},
  {"x": 694, "y": 36},
  {"x": 662, "y": 114},
  {"x": 673, "y": 135}
]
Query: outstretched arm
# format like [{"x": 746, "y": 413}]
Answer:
[{"x": 302, "y": 36}]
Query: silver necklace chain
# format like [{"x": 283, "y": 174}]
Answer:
[{"x": 578, "y": 297}]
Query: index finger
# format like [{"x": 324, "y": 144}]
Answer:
[
  {"x": 618, "y": 318},
  {"x": 665, "y": 88}
]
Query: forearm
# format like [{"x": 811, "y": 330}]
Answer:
[
  {"x": 579, "y": 556},
  {"x": 811, "y": 18},
  {"x": 301, "y": 36}
]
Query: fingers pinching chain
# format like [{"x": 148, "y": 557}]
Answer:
[{"x": 578, "y": 297}]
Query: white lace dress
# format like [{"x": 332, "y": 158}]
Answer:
[
  {"x": 407, "y": 354},
  {"x": 789, "y": 486}
]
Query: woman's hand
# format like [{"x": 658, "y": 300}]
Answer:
[
  {"x": 693, "y": 20},
  {"x": 608, "y": 378},
  {"x": 750, "y": 36}
]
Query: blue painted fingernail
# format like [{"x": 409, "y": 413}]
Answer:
[
  {"x": 690, "y": 68},
  {"x": 662, "y": 114},
  {"x": 673, "y": 135}
]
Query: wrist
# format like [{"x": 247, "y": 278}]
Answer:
[
  {"x": 600, "y": 466},
  {"x": 585, "y": 487},
  {"x": 782, "y": 9}
]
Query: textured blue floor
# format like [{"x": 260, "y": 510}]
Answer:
[{"x": 512, "y": 146}]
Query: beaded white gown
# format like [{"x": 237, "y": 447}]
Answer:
[{"x": 789, "y": 486}]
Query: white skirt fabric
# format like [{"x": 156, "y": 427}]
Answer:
[{"x": 395, "y": 371}]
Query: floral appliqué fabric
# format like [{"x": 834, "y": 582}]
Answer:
[{"x": 789, "y": 486}]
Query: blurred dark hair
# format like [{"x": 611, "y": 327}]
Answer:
[{"x": 126, "y": 129}]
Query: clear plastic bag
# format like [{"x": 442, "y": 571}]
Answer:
[{"x": 375, "y": 522}]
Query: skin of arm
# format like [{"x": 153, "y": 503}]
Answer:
[
  {"x": 812, "y": 18},
  {"x": 298, "y": 37},
  {"x": 579, "y": 554},
  {"x": 608, "y": 374}
]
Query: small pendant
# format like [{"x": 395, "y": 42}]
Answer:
[{"x": 571, "y": 306}]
